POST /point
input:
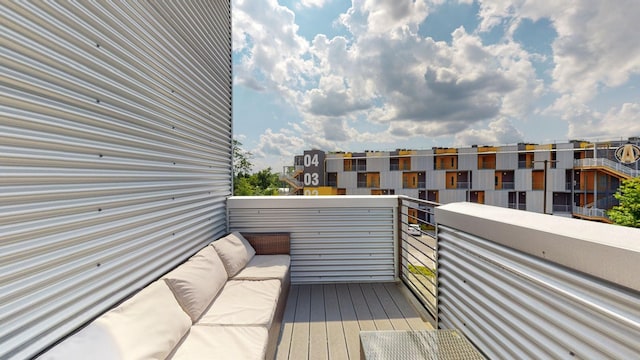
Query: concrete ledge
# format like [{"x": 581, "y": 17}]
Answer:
[{"x": 605, "y": 251}]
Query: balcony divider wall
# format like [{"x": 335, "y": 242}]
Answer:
[
  {"x": 333, "y": 238},
  {"x": 518, "y": 290}
]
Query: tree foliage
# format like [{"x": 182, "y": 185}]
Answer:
[
  {"x": 241, "y": 160},
  {"x": 628, "y": 212},
  {"x": 264, "y": 182}
]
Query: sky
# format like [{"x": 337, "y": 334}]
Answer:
[{"x": 381, "y": 75}]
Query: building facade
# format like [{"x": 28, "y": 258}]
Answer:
[{"x": 577, "y": 178}]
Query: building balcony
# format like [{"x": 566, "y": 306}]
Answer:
[
  {"x": 357, "y": 265},
  {"x": 506, "y": 185}
]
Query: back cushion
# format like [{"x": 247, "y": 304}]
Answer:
[
  {"x": 148, "y": 325},
  {"x": 197, "y": 282},
  {"x": 235, "y": 252}
]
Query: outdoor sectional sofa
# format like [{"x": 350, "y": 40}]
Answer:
[{"x": 225, "y": 302}]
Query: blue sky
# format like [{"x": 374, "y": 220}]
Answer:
[{"x": 387, "y": 74}]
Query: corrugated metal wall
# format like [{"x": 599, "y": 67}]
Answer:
[
  {"x": 333, "y": 238},
  {"x": 115, "y": 154},
  {"x": 516, "y": 306}
]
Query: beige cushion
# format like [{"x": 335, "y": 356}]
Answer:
[
  {"x": 196, "y": 282},
  {"x": 223, "y": 342},
  {"x": 235, "y": 252},
  {"x": 93, "y": 342},
  {"x": 244, "y": 302},
  {"x": 265, "y": 267},
  {"x": 148, "y": 325}
]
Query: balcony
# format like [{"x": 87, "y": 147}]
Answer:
[
  {"x": 356, "y": 265},
  {"x": 506, "y": 185}
]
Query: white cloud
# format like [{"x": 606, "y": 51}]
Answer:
[
  {"x": 596, "y": 44},
  {"x": 618, "y": 121},
  {"x": 282, "y": 143},
  {"x": 313, "y": 3},
  {"x": 266, "y": 35},
  {"x": 391, "y": 17},
  {"x": 498, "y": 132}
]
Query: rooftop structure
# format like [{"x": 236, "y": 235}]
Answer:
[{"x": 577, "y": 178}]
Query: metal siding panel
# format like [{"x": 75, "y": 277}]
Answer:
[
  {"x": 328, "y": 244},
  {"x": 379, "y": 164},
  {"x": 115, "y": 155},
  {"x": 334, "y": 163},
  {"x": 523, "y": 179},
  {"x": 468, "y": 161},
  {"x": 556, "y": 180},
  {"x": 564, "y": 156},
  {"x": 535, "y": 200},
  {"x": 347, "y": 179},
  {"x": 449, "y": 196},
  {"x": 513, "y": 305},
  {"x": 507, "y": 158},
  {"x": 436, "y": 179},
  {"x": 391, "y": 180},
  {"x": 484, "y": 179}
]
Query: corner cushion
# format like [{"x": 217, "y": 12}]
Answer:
[
  {"x": 234, "y": 251},
  {"x": 265, "y": 267},
  {"x": 196, "y": 282}
]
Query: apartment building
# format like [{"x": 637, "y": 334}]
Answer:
[{"x": 577, "y": 178}]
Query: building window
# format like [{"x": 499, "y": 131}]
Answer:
[{"x": 332, "y": 179}]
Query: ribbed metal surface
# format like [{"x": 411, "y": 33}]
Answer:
[
  {"x": 333, "y": 239},
  {"x": 516, "y": 306},
  {"x": 115, "y": 128}
]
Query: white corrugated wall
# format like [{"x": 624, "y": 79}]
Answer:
[
  {"x": 516, "y": 306},
  {"x": 115, "y": 154},
  {"x": 333, "y": 238}
]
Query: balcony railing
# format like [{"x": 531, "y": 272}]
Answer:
[
  {"x": 506, "y": 185},
  {"x": 562, "y": 208},
  {"x": 479, "y": 272},
  {"x": 518, "y": 206},
  {"x": 606, "y": 163},
  {"x": 525, "y": 164}
]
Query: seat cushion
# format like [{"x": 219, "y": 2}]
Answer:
[
  {"x": 265, "y": 267},
  {"x": 196, "y": 282},
  {"x": 235, "y": 252},
  {"x": 223, "y": 342},
  {"x": 243, "y": 302},
  {"x": 146, "y": 326}
]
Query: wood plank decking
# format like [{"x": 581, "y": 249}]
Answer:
[{"x": 323, "y": 321}]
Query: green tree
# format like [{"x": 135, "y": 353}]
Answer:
[
  {"x": 628, "y": 212},
  {"x": 265, "y": 182},
  {"x": 245, "y": 183},
  {"x": 241, "y": 164}
]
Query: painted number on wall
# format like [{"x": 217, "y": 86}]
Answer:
[
  {"x": 311, "y": 192},
  {"x": 311, "y": 179},
  {"x": 311, "y": 160}
]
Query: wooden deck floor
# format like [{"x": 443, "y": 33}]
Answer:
[{"x": 323, "y": 321}]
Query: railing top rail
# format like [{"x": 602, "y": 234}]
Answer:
[
  {"x": 607, "y": 163},
  {"x": 419, "y": 201}
]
